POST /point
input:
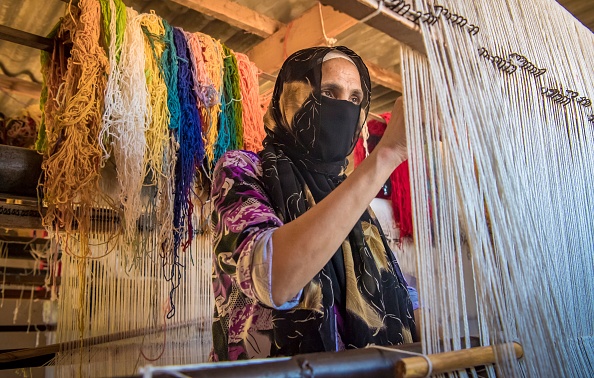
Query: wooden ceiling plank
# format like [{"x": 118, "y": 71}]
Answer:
[
  {"x": 396, "y": 26},
  {"x": 20, "y": 87},
  {"x": 384, "y": 77},
  {"x": 234, "y": 14},
  {"x": 304, "y": 31}
]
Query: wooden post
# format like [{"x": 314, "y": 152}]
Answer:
[{"x": 416, "y": 367}]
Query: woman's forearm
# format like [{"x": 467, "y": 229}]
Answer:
[{"x": 302, "y": 247}]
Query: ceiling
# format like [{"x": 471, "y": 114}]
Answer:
[{"x": 38, "y": 16}]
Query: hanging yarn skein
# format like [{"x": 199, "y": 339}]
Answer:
[
  {"x": 165, "y": 189},
  {"x": 205, "y": 91},
  {"x": 73, "y": 158},
  {"x": 160, "y": 157},
  {"x": 114, "y": 23},
  {"x": 157, "y": 135},
  {"x": 213, "y": 58},
  {"x": 75, "y": 77},
  {"x": 230, "y": 123},
  {"x": 52, "y": 70},
  {"x": 189, "y": 156},
  {"x": 129, "y": 118},
  {"x": 252, "y": 115}
]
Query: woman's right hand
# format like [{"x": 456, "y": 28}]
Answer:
[{"x": 394, "y": 138}]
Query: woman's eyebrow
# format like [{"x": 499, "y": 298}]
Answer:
[
  {"x": 358, "y": 92},
  {"x": 332, "y": 86}
]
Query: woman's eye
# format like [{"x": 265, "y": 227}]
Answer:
[
  {"x": 327, "y": 93},
  {"x": 356, "y": 100}
]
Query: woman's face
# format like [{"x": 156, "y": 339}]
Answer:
[{"x": 341, "y": 81}]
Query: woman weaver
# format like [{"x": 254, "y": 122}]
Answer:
[{"x": 300, "y": 265}]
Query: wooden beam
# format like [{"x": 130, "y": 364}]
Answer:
[
  {"x": 22, "y": 250},
  {"x": 17, "y": 263},
  {"x": 417, "y": 367},
  {"x": 28, "y": 328},
  {"x": 17, "y": 277},
  {"x": 304, "y": 31},
  {"x": 20, "y": 86},
  {"x": 382, "y": 76},
  {"x": 399, "y": 26},
  {"x": 40, "y": 294},
  {"x": 234, "y": 14},
  {"x": 19, "y": 216},
  {"x": 25, "y": 39},
  {"x": 20, "y": 171},
  {"x": 29, "y": 353}
]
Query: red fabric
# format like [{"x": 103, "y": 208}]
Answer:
[
  {"x": 399, "y": 180},
  {"x": 358, "y": 152},
  {"x": 401, "y": 199}
]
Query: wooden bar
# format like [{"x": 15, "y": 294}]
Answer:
[
  {"x": 20, "y": 86},
  {"x": 25, "y": 38},
  {"x": 20, "y": 171},
  {"x": 28, "y": 328},
  {"x": 40, "y": 294},
  {"x": 234, "y": 14},
  {"x": 20, "y": 216},
  {"x": 397, "y": 26},
  {"x": 304, "y": 31},
  {"x": 17, "y": 277},
  {"x": 18, "y": 358},
  {"x": 417, "y": 367}
]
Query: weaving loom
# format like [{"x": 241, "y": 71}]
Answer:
[
  {"x": 499, "y": 119},
  {"x": 500, "y": 130}
]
